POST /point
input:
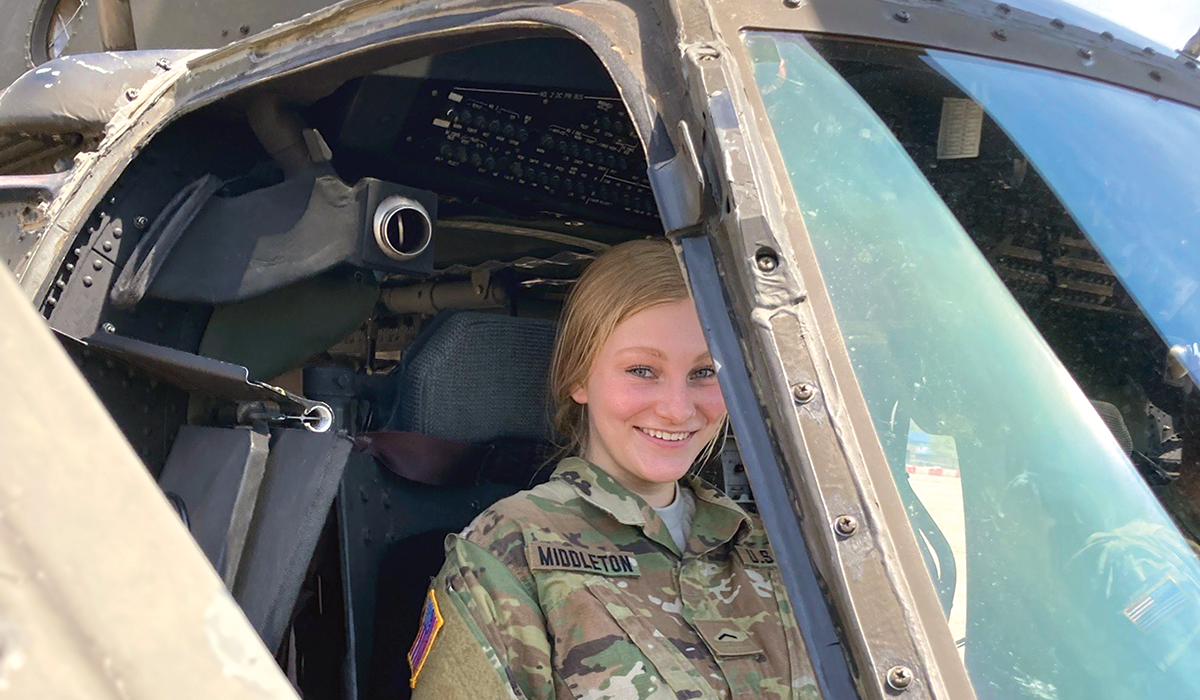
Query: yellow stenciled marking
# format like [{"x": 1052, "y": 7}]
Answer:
[{"x": 431, "y": 624}]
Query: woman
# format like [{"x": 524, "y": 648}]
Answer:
[{"x": 615, "y": 579}]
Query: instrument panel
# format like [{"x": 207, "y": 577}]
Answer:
[{"x": 568, "y": 152}]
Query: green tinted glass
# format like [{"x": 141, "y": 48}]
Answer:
[{"x": 1060, "y": 574}]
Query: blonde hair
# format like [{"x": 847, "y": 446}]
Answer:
[{"x": 624, "y": 280}]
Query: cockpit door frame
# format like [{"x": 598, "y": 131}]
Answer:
[{"x": 821, "y": 446}]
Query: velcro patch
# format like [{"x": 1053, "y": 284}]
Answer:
[
  {"x": 726, "y": 639},
  {"x": 431, "y": 624},
  {"x": 559, "y": 556},
  {"x": 756, "y": 557}
]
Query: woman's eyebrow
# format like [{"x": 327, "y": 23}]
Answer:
[{"x": 637, "y": 349}]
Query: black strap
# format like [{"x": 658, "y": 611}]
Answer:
[{"x": 152, "y": 250}]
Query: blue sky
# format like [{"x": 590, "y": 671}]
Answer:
[{"x": 1169, "y": 22}]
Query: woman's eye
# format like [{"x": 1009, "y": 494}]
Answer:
[
  {"x": 704, "y": 373},
  {"x": 644, "y": 372}
]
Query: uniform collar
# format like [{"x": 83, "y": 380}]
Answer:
[{"x": 717, "y": 520}]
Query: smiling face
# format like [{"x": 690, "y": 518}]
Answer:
[{"x": 652, "y": 400}]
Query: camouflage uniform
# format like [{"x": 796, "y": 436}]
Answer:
[{"x": 575, "y": 589}]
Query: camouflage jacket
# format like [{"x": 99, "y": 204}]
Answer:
[{"x": 575, "y": 589}]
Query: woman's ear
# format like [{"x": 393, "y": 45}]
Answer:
[{"x": 579, "y": 395}]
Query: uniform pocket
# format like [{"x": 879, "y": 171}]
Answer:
[{"x": 675, "y": 669}]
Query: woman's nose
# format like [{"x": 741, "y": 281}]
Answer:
[{"x": 675, "y": 404}]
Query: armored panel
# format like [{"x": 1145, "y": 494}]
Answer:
[
  {"x": 216, "y": 474},
  {"x": 297, "y": 492}
]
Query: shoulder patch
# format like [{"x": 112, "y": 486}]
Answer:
[
  {"x": 756, "y": 557},
  {"x": 431, "y": 624},
  {"x": 560, "y": 556}
]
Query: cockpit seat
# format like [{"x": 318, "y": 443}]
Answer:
[{"x": 471, "y": 391}]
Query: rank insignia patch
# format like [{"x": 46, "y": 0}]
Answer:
[{"x": 431, "y": 624}]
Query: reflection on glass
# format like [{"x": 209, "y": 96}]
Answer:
[
  {"x": 1124, "y": 164},
  {"x": 1077, "y": 584}
]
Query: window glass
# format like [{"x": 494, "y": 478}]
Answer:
[
  {"x": 1060, "y": 574},
  {"x": 1124, "y": 164}
]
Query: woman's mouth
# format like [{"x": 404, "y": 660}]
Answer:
[{"x": 668, "y": 437}]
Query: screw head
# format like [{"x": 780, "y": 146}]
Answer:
[
  {"x": 1003, "y": 8},
  {"x": 1000, "y": 35},
  {"x": 1058, "y": 24},
  {"x": 902, "y": 17},
  {"x": 1085, "y": 54},
  {"x": 804, "y": 392},
  {"x": 141, "y": 222},
  {"x": 845, "y": 525},
  {"x": 1156, "y": 76},
  {"x": 767, "y": 262},
  {"x": 108, "y": 328},
  {"x": 132, "y": 94},
  {"x": 899, "y": 677},
  {"x": 163, "y": 64}
]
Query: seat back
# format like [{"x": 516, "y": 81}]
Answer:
[
  {"x": 475, "y": 377},
  {"x": 470, "y": 378}
]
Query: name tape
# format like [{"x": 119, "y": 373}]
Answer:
[{"x": 557, "y": 556}]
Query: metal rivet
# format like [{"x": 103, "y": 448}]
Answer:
[
  {"x": 107, "y": 246},
  {"x": 902, "y": 17},
  {"x": 97, "y": 265},
  {"x": 804, "y": 392},
  {"x": 132, "y": 94},
  {"x": 108, "y": 328},
  {"x": 163, "y": 63},
  {"x": 1085, "y": 54},
  {"x": 1149, "y": 51},
  {"x": 845, "y": 525},
  {"x": 1107, "y": 36},
  {"x": 1000, "y": 34},
  {"x": 1058, "y": 24},
  {"x": 899, "y": 677},
  {"x": 141, "y": 222},
  {"x": 244, "y": 29},
  {"x": 1003, "y": 8},
  {"x": 1155, "y": 76},
  {"x": 87, "y": 280},
  {"x": 767, "y": 262}
]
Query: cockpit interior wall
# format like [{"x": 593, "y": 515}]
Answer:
[{"x": 249, "y": 235}]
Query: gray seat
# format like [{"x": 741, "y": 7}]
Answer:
[
  {"x": 474, "y": 377},
  {"x": 469, "y": 378}
]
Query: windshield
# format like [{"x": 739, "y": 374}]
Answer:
[
  {"x": 1060, "y": 574},
  {"x": 1125, "y": 166}
]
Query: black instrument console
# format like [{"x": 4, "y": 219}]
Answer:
[{"x": 520, "y": 148}]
